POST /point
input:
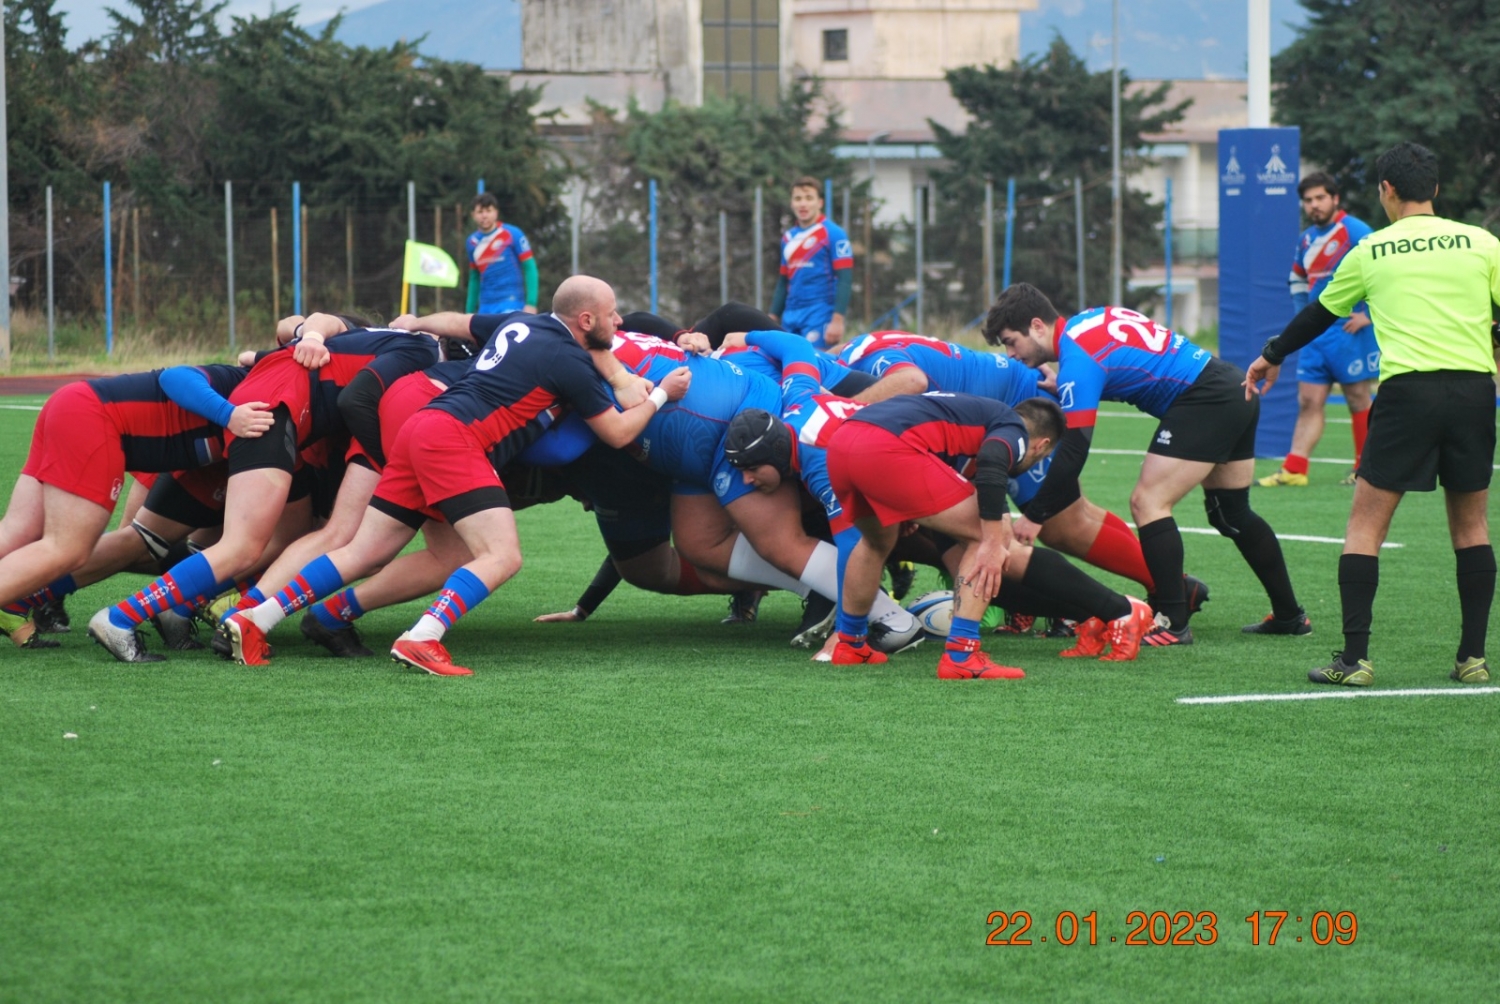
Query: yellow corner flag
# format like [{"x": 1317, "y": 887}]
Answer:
[{"x": 427, "y": 265}]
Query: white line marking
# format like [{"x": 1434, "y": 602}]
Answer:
[
  {"x": 1142, "y": 414},
  {"x": 1211, "y": 532},
  {"x": 21, "y": 407},
  {"x": 1329, "y": 694}
]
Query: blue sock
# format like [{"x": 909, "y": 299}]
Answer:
[
  {"x": 339, "y": 610},
  {"x": 851, "y": 627},
  {"x": 253, "y": 597},
  {"x": 317, "y": 579},
  {"x": 188, "y": 580},
  {"x": 461, "y": 593},
  {"x": 963, "y": 639}
]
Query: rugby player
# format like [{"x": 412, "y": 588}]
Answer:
[
  {"x": 87, "y": 436},
  {"x": 300, "y": 385},
  {"x": 1206, "y": 436},
  {"x": 817, "y": 271},
  {"x": 1431, "y": 285},
  {"x": 502, "y": 270},
  {"x": 1347, "y": 353},
  {"x": 440, "y": 467}
]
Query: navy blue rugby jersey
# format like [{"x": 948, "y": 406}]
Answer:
[{"x": 157, "y": 434}]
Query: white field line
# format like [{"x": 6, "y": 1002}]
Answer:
[
  {"x": 1142, "y": 414},
  {"x": 1305, "y": 538},
  {"x": 1331, "y": 694},
  {"x": 1141, "y": 453},
  {"x": 21, "y": 407}
]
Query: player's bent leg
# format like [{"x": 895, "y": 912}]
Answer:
[
  {"x": 861, "y": 583},
  {"x": 71, "y": 526},
  {"x": 773, "y": 525},
  {"x": 1360, "y": 395},
  {"x": 343, "y": 522},
  {"x": 134, "y": 499},
  {"x": 1085, "y": 530},
  {"x": 23, "y": 515},
  {"x": 1162, "y": 484},
  {"x": 490, "y": 534},
  {"x": 1229, "y": 512},
  {"x": 703, "y": 531}
]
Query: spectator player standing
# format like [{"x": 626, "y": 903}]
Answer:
[
  {"x": 817, "y": 271},
  {"x": 502, "y": 271},
  {"x": 1347, "y": 353},
  {"x": 1430, "y": 284}
]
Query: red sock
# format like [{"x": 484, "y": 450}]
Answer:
[
  {"x": 1117, "y": 550},
  {"x": 1294, "y": 464},
  {"x": 688, "y": 583},
  {"x": 1361, "y": 421}
]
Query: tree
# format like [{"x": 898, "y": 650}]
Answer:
[
  {"x": 704, "y": 160},
  {"x": 1364, "y": 75},
  {"x": 1043, "y": 121}
]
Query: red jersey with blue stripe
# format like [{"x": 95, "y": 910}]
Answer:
[
  {"x": 530, "y": 365},
  {"x": 809, "y": 257},
  {"x": 948, "y": 367},
  {"x": 1115, "y": 354},
  {"x": 952, "y": 427},
  {"x": 157, "y": 434},
  {"x": 388, "y": 353},
  {"x": 802, "y": 400},
  {"x": 497, "y": 257}
]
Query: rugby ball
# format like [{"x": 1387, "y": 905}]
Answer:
[
  {"x": 934, "y": 611},
  {"x": 896, "y": 632}
]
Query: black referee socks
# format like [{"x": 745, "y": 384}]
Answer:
[
  {"x": 1359, "y": 577},
  {"x": 1475, "y": 567}
]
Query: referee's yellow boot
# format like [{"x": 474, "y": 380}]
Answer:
[{"x": 1283, "y": 479}]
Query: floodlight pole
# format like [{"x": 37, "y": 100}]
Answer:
[
  {"x": 1117, "y": 249},
  {"x": 4, "y": 211}
]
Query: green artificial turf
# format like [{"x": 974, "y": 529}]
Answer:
[{"x": 652, "y": 806}]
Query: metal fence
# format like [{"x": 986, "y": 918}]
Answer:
[{"x": 216, "y": 273}]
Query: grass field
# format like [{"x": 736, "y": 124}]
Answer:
[{"x": 651, "y": 806}]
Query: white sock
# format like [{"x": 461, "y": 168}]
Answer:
[
  {"x": 747, "y": 566},
  {"x": 429, "y": 628},
  {"x": 266, "y": 615},
  {"x": 890, "y": 613},
  {"x": 821, "y": 574}
]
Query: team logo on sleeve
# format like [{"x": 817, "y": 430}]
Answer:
[
  {"x": 721, "y": 483},
  {"x": 1065, "y": 395},
  {"x": 843, "y": 250}
]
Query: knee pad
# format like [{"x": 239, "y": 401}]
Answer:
[
  {"x": 156, "y": 545},
  {"x": 1227, "y": 509}
]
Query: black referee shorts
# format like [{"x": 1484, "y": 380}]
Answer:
[
  {"x": 1431, "y": 427},
  {"x": 1210, "y": 422}
]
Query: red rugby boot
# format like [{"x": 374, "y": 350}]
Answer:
[
  {"x": 976, "y": 667},
  {"x": 1125, "y": 633},
  {"x": 1092, "y": 635},
  {"x": 247, "y": 642},
  {"x": 428, "y": 656},
  {"x": 845, "y": 654}
]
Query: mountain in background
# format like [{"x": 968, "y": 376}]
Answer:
[{"x": 487, "y": 32}]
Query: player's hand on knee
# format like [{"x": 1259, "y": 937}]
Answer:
[{"x": 251, "y": 420}]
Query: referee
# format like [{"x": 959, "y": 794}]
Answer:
[{"x": 1429, "y": 283}]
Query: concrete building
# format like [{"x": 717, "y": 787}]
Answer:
[{"x": 882, "y": 63}]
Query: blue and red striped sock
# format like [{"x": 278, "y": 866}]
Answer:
[
  {"x": 57, "y": 589},
  {"x": 188, "y": 581},
  {"x": 461, "y": 593},
  {"x": 963, "y": 639},
  {"x": 339, "y": 610},
  {"x": 852, "y": 630}
]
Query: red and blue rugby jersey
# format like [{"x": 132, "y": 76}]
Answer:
[
  {"x": 157, "y": 434},
  {"x": 530, "y": 364},
  {"x": 952, "y": 427},
  {"x": 386, "y": 352},
  {"x": 497, "y": 257},
  {"x": 948, "y": 367},
  {"x": 1115, "y": 354},
  {"x": 809, "y": 257}
]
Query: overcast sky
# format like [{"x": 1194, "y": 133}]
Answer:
[{"x": 1159, "y": 38}]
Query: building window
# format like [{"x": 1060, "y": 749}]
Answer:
[
  {"x": 742, "y": 49},
  {"x": 836, "y": 45}
]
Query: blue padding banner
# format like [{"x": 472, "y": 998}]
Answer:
[{"x": 1259, "y": 213}]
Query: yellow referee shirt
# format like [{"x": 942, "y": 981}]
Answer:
[{"x": 1429, "y": 283}]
